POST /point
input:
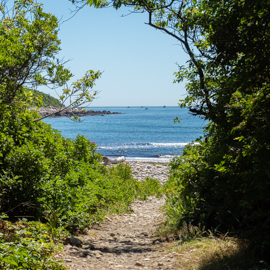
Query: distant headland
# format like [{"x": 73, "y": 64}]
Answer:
[
  {"x": 52, "y": 107},
  {"x": 52, "y": 111}
]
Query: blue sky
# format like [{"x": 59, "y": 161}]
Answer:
[{"x": 138, "y": 61}]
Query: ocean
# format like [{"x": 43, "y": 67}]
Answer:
[{"x": 138, "y": 133}]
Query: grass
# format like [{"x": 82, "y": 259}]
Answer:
[
  {"x": 210, "y": 253},
  {"x": 196, "y": 249}
]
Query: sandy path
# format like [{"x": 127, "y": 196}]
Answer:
[{"x": 123, "y": 241}]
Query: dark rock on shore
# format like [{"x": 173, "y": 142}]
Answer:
[{"x": 68, "y": 112}]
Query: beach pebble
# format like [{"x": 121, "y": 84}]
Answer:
[{"x": 142, "y": 170}]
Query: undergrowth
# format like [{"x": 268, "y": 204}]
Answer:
[{"x": 29, "y": 245}]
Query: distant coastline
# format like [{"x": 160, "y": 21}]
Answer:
[{"x": 51, "y": 111}]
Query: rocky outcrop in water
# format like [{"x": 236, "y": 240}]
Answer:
[{"x": 68, "y": 112}]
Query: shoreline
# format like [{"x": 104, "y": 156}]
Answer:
[
  {"x": 149, "y": 159},
  {"x": 69, "y": 112}
]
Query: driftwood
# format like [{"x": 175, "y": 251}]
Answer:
[{"x": 117, "y": 160}]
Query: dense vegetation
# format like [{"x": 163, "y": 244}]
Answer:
[
  {"x": 223, "y": 183},
  {"x": 43, "y": 176},
  {"x": 40, "y": 98}
]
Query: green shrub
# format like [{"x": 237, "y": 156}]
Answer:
[
  {"x": 28, "y": 245},
  {"x": 221, "y": 187},
  {"x": 44, "y": 173}
]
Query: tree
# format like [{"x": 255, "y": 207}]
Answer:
[
  {"x": 33, "y": 156},
  {"x": 182, "y": 20},
  {"x": 29, "y": 48}
]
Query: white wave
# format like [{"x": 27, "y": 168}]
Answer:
[
  {"x": 125, "y": 146},
  {"x": 145, "y": 146},
  {"x": 171, "y": 144},
  {"x": 168, "y": 156}
]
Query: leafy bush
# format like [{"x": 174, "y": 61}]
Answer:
[
  {"x": 33, "y": 155},
  {"x": 62, "y": 182},
  {"x": 222, "y": 188},
  {"x": 28, "y": 245},
  {"x": 42, "y": 173}
]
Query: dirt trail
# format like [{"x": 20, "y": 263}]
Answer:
[{"x": 123, "y": 242}]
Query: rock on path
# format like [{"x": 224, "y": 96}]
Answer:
[{"x": 125, "y": 241}]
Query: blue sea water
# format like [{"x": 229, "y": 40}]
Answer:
[{"x": 138, "y": 133}]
